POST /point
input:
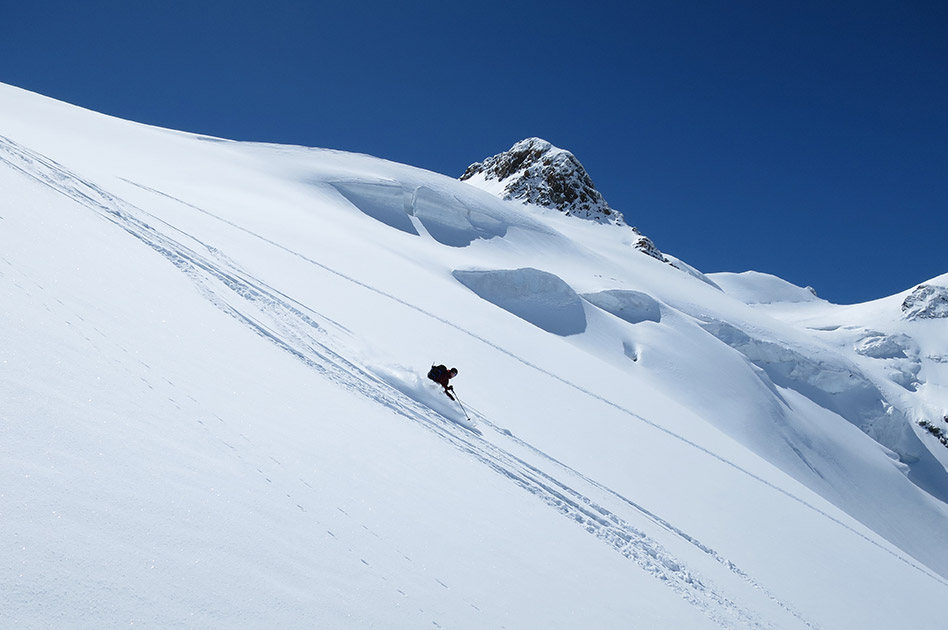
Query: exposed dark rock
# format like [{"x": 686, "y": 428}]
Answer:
[
  {"x": 536, "y": 172},
  {"x": 927, "y": 301}
]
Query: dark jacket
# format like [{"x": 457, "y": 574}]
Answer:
[{"x": 442, "y": 375}]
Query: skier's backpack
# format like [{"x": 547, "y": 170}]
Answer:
[{"x": 436, "y": 372}]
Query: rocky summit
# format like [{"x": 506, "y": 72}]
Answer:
[
  {"x": 536, "y": 172},
  {"x": 539, "y": 173}
]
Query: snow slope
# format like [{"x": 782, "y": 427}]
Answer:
[{"x": 214, "y": 412}]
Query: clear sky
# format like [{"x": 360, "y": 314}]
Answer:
[{"x": 804, "y": 139}]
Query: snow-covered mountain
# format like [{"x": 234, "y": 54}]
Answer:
[
  {"x": 536, "y": 172},
  {"x": 214, "y": 408}
]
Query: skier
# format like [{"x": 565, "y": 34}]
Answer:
[{"x": 441, "y": 375}]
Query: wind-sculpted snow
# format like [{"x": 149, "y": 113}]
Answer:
[
  {"x": 540, "y": 298},
  {"x": 383, "y": 201},
  {"x": 444, "y": 217},
  {"x": 838, "y": 385},
  {"x": 450, "y": 222},
  {"x": 753, "y": 287},
  {"x": 880, "y": 346},
  {"x": 632, "y": 306}
]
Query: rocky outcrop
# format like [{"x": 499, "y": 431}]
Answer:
[
  {"x": 927, "y": 301},
  {"x": 536, "y": 172}
]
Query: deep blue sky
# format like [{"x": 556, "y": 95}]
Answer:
[{"x": 804, "y": 139}]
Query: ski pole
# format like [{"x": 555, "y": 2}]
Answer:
[{"x": 458, "y": 400}]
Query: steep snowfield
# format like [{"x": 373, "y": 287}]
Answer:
[{"x": 214, "y": 411}]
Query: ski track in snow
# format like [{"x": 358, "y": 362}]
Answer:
[
  {"x": 304, "y": 334},
  {"x": 562, "y": 380},
  {"x": 651, "y": 516}
]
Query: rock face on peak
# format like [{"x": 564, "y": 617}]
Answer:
[
  {"x": 539, "y": 173},
  {"x": 535, "y": 171},
  {"x": 927, "y": 301}
]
